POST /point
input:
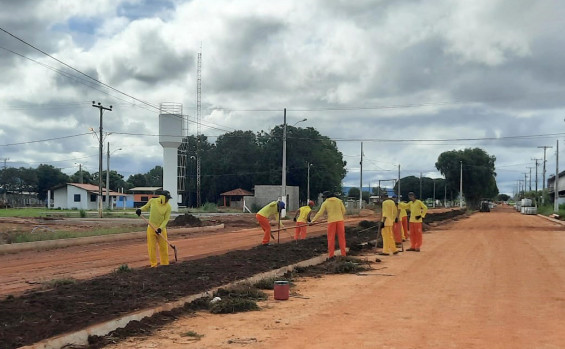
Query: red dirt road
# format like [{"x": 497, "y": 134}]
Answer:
[
  {"x": 27, "y": 270},
  {"x": 494, "y": 280}
]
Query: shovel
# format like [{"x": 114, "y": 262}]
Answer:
[{"x": 159, "y": 235}]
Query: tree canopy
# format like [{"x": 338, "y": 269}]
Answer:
[
  {"x": 243, "y": 159},
  {"x": 479, "y": 176}
]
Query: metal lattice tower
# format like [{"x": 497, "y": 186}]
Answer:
[{"x": 198, "y": 126}]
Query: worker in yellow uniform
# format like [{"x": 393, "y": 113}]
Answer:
[
  {"x": 272, "y": 209},
  {"x": 403, "y": 218},
  {"x": 335, "y": 210},
  {"x": 388, "y": 218},
  {"x": 302, "y": 218},
  {"x": 159, "y": 214},
  {"x": 418, "y": 211}
]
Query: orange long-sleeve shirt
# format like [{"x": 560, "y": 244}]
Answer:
[{"x": 334, "y": 208}]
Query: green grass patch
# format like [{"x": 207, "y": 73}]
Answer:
[
  {"x": 43, "y": 212},
  {"x": 237, "y": 299},
  {"x": 47, "y": 234},
  {"x": 124, "y": 268},
  {"x": 192, "y": 334},
  {"x": 269, "y": 283},
  {"x": 56, "y": 283}
]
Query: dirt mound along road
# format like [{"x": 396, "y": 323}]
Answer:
[
  {"x": 493, "y": 280},
  {"x": 73, "y": 306},
  {"x": 186, "y": 220}
]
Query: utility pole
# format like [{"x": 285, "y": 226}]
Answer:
[
  {"x": 461, "y": 185},
  {"x": 100, "y": 146},
  {"x": 545, "y": 147},
  {"x": 283, "y": 185},
  {"x": 537, "y": 164},
  {"x": 308, "y": 186},
  {"x": 361, "y": 180},
  {"x": 5, "y": 159},
  {"x": 198, "y": 125},
  {"x": 434, "y": 204},
  {"x": 420, "y": 197},
  {"x": 525, "y": 181},
  {"x": 108, "y": 177},
  {"x": 530, "y": 168},
  {"x": 398, "y": 188},
  {"x": 80, "y": 173},
  {"x": 556, "y": 182}
]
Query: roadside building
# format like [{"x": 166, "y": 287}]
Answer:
[{"x": 80, "y": 196}]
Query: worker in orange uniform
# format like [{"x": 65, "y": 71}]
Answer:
[
  {"x": 388, "y": 218},
  {"x": 418, "y": 211},
  {"x": 302, "y": 218},
  {"x": 335, "y": 210},
  {"x": 159, "y": 213},
  {"x": 403, "y": 218},
  {"x": 272, "y": 209}
]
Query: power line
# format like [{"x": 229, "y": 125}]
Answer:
[
  {"x": 78, "y": 71},
  {"x": 44, "y": 140}
]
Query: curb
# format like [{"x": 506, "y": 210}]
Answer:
[
  {"x": 551, "y": 219},
  {"x": 51, "y": 244},
  {"x": 81, "y": 337}
]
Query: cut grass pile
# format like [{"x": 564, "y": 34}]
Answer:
[{"x": 242, "y": 297}]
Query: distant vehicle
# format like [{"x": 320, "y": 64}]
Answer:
[{"x": 485, "y": 206}]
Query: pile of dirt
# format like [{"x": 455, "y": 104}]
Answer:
[
  {"x": 186, "y": 220},
  {"x": 442, "y": 216}
]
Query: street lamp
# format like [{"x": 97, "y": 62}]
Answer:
[
  {"x": 308, "y": 187},
  {"x": 108, "y": 175},
  {"x": 296, "y": 123},
  {"x": 283, "y": 184}
]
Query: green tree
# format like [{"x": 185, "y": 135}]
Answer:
[
  {"x": 502, "y": 197},
  {"x": 353, "y": 193},
  {"x": 86, "y": 177},
  {"x": 154, "y": 178},
  {"x": 479, "y": 176},
  {"x": 48, "y": 177},
  {"x": 137, "y": 180}
]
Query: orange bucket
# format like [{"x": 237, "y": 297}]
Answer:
[{"x": 282, "y": 289}]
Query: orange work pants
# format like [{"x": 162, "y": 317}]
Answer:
[
  {"x": 266, "y": 225},
  {"x": 405, "y": 233},
  {"x": 300, "y": 230},
  {"x": 333, "y": 228},
  {"x": 397, "y": 232},
  {"x": 415, "y": 235}
]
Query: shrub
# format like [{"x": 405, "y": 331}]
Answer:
[
  {"x": 82, "y": 213},
  {"x": 124, "y": 268}
]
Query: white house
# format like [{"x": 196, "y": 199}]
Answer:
[{"x": 80, "y": 196}]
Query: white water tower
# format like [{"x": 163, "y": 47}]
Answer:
[{"x": 170, "y": 138}]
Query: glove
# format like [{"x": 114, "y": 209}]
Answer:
[
  {"x": 309, "y": 220},
  {"x": 396, "y": 220},
  {"x": 138, "y": 212},
  {"x": 294, "y": 219},
  {"x": 418, "y": 217},
  {"x": 158, "y": 231}
]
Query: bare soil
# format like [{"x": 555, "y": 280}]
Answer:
[
  {"x": 493, "y": 280},
  {"x": 72, "y": 306}
]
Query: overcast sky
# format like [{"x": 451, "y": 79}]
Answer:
[{"x": 378, "y": 71}]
